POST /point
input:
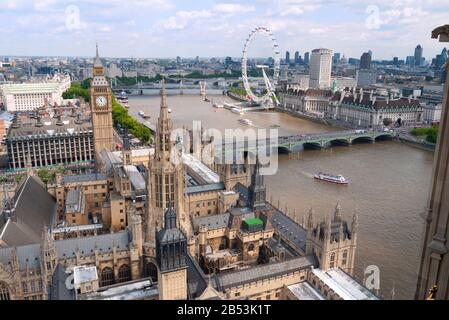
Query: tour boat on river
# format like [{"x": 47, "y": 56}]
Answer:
[
  {"x": 246, "y": 121},
  {"x": 339, "y": 179}
]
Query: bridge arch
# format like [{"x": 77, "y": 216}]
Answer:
[
  {"x": 283, "y": 150},
  {"x": 362, "y": 139},
  {"x": 385, "y": 136},
  {"x": 338, "y": 142},
  {"x": 312, "y": 145}
]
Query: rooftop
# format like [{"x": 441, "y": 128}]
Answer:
[
  {"x": 84, "y": 177},
  {"x": 237, "y": 278},
  {"x": 344, "y": 285},
  {"x": 304, "y": 291},
  {"x": 84, "y": 274},
  {"x": 203, "y": 171},
  {"x": 34, "y": 207},
  {"x": 49, "y": 127},
  {"x": 137, "y": 290},
  {"x": 41, "y": 87}
]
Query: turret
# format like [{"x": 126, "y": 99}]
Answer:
[
  {"x": 49, "y": 259},
  {"x": 337, "y": 214}
]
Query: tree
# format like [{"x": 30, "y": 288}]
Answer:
[{"x": 387, "y": 122}]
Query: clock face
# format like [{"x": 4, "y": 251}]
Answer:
[{"x": 101, "y": 101}]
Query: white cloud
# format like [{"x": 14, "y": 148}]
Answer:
[
  {"x": 318, "y": 30},
  {"x": 12, "y": 4},
  {"x": 42, "y": 5},
  {"x": 182, "y": 18},
  {"x": 104, "y": 28},
  {"x": 232, "y": 8}
]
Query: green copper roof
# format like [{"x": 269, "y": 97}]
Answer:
[{"x": 253, "y": 221}]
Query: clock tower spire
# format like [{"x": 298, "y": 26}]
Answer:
[{"x": 101, "y": 108}]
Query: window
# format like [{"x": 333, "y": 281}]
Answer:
[
  {"x": 278, "y": 294},
  {"x": 237, "y": 294},
  {"x": 25, "y": 287},
  {"x": 345, "y": 257},
  {"x": 251, "y": 247},
  {"x": 268, "y": 297},
  {"x": 33, "y": 286},
  {"x": 107, "y": 277},
  {"x": 124, "y": 273},
  {"x": 151, "y": 271}
]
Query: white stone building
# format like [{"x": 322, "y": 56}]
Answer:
[
  {"x": 310, "y": 101},
  {"x": 320, "y": 69},
  {"x": 432, "y": 112},
  {"x": 30, "y": 96},
  {"x": 366, "y": 109}
]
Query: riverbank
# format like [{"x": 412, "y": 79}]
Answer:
[
  {"x": 323, "y": 121},
  {"x": 421, "y": 144},
  {"x": 236, "y": 97}
]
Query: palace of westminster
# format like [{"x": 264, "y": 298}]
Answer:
[{"x": 145, "y": 227}]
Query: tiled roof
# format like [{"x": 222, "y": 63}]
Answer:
[
  {"x": 212, "y": 222},
  {"x": 34, "y": 208},
  {"x": 29, "y": 255},
  {"x": 237, "y": 278},
  {"x": 83, "y": 177},
  {"x": 205, "y": 188},
  {"x": 50, "y": 128}
]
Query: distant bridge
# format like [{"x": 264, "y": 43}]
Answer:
[{"x": 295, "y": 143}]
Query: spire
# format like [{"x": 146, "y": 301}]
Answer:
[
  {"x": 355, "y": 222},
  {"x": 170, "y": 217},
  {"x": 328, "y": 228},
  {"x": 97, "y": 61},
  {"x": 310, "y": 219},
  {"x": 8, "y": 203},
  {"x": 126, "y": 144},
  {"x": 257, "y": 190},
  {"x": 337, "y": 214},
  {"x": 164, "y": 105}
]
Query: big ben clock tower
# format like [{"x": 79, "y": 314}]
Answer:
[{"x": 101, "y": 108}]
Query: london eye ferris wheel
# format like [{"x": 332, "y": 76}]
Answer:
[{"x": 270, "y": 84}]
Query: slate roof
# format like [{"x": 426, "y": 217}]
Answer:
[
  {"x": 216, "y": 221},
  {"x": 232, "y": 279},
  {"x": 49, "y": 128},
  {"x": 289, "y": 229},
  {"x": 281, "y": 222},
  {"x": 205, "y": 188},
  {"x": 83, "y": 177},
  {"x": 29, "y": 255},
  {"x": 196, "y": 280},
  {"x": 58, "y": 289},
  {"x": 86, "y": 245},
  {"x": 34, "y": 208}
]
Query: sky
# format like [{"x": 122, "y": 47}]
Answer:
[{"x": 207, "y": 28}]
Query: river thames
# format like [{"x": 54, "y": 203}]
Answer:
[{"x": 388, "y": 187}]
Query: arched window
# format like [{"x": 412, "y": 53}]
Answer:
[
  {"x": 107, "y": 277},
  {"x": 251, "y": 247},
  {"x": 124, "y": 273},
  {"x": 151, "y": 271},
  {"x": 345, "y": 257},
  {"x": 4, "y": 291},
  {"x": 332, "y": 261}
]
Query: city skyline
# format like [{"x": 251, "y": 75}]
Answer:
[{"x": 157, "y": 28}]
